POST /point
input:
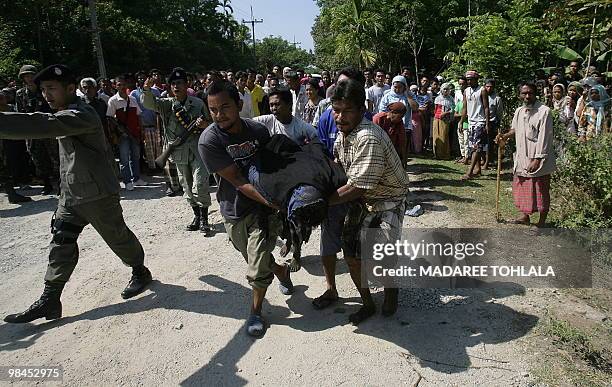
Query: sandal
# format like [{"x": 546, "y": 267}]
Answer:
[
  {"x": 362, "y": 314},
  {"x": 325, "y": 300}
]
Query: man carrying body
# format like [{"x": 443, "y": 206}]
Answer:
[
  {"x": 193, "y": 175},
  {"x": 376, "y": 188},
  {"x": 88, "y": 189},
  {"x": 226, "y": 148}
]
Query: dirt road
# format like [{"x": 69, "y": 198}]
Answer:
[{"x": 188, "y": 328}]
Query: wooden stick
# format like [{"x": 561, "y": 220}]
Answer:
[{"x": 500, "y": 151}]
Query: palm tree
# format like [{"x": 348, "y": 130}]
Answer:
[{"x": 358, "y": 28}]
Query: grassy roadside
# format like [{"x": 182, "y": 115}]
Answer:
[
  {"x": 474, "y": 200},
  {"x": 571, "y": 350}
]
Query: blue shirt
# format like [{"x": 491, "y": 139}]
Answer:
[
  {"x": 149, "y": 117},
  {"x": 327, "y": 129}
]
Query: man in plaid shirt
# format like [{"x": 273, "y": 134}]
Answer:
[{"x": 376, "y": 188}]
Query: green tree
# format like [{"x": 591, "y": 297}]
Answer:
[
  {"x": 274, "y": 50},
  {"x": 507, "y": 47},
  {"x": 136, "y": 34}
]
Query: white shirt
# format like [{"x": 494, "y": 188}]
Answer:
[
  {"x": 475, "y": 108},
  {"x": 116, "y": 102},
  {"x": 299, "y": 101},
  {"x": 298, "y": 130},
  {"x": 247, "y": 104},
  {"x": 374, "y": 94}
]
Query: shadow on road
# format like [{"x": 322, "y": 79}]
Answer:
[{"x": 436, "y": 338}]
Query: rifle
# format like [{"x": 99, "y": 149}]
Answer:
[
  {"x": 120, "y": 127},
  {"x": 180, "y": 140}
]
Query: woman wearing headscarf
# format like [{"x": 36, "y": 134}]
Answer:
[
  {"x": 391, "y": 122},
  {"x": 574, "y": 90},
  {"x": 558, "y": 102},
  {"x": 443, "y": 114},
  {"x": 596, "y": 114},
  {"x": 416, "y": 137},
  {"x": 398, "y": 93}
]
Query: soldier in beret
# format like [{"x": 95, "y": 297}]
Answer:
[
  {"x": 44, "y": 151},
  {"x": 88, "y": 189},
  {"x": 177, "y": 113}
]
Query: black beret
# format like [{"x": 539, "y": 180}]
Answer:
[
  {"x": 177, "y": 73},
  {"x": 56, "y": 72}
]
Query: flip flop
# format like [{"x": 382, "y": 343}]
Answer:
[{"x": 324, "y": 300}]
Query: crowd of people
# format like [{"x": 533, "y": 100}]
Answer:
[{"x": 213, "y": 124}]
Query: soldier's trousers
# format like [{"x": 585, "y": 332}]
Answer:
[
  {"x": 106, "y": 217},
  {"x": 45, "y": 155},
  {"x": 194, "y": 176}
]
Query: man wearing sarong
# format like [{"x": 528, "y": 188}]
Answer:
[{"x": 534, "y": 159}]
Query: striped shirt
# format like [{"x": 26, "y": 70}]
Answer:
[{"x": 371, "y": 163}]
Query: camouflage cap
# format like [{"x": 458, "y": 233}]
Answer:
[{"x": 27, "y": 69}]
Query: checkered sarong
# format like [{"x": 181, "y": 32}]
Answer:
[
  {"x": 152, "y": 145},
  {"x": 531, "y": 194}
]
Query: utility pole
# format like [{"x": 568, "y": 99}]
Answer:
[
  {"x": 252, "y": 23},
  {"x": 97, "y": 42},
  {"x": 295, "y": 44}
]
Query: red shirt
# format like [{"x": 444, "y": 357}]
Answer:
[{"x": 396, "y": 132}]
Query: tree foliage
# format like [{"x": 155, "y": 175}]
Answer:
[
  {"x": 273, "y": 51},
  {"x": 135, "y": 34},
  {"x": 432, "y": 36}
]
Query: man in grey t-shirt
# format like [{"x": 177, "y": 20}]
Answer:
[
  {"x": 226, "y": 148},
  {"x": 375, "y": 93}
]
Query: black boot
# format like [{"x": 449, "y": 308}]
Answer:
[
  {"x": 14, "y": 197},
  {"x": 195, "y": 223},
  {"x": 47, "y": 188},
  {"x": 47, "y": 306},
  {"x": 204, "y": 226},
  {"x": 141, "y": 277}
]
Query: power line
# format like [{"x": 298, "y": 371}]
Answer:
[
  {"x": 295, "y": 44},
  {"x": 252, "y": 22}
]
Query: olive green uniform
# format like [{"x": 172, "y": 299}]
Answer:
[
  {"x": 193, "y": 175},
  {"x": 88, "y": 188},
  {"x": 44, "y": 151}
]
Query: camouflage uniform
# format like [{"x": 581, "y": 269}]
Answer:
[{"x": 44, "y": 151}]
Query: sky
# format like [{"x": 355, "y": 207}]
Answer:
[{"x": 277, "y": 22}]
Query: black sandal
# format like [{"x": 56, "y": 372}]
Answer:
[
  {"x": 362, "y": 314},
  {"x": 325, "y": 300}
]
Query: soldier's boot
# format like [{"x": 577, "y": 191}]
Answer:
[
  {"x": 195, "y": 223},
  {"x": 48, "y": 306},
  {"x": 141, "y": 277},
  {"x": 14, "y": 197},
  {"x": 47, "y": 187},
  {"x": 204, "y": 226}
]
